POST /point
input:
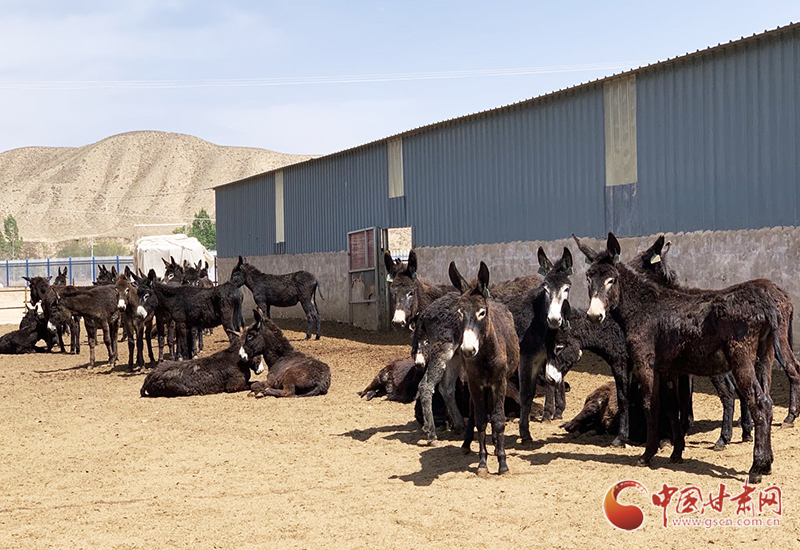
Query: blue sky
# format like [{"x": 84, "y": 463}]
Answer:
[{"x": 72, "y": 73}]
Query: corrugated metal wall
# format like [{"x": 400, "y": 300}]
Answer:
[
  {"x": 246, "y": 217},
  {"x": 717, "y": 139},
  {"x": 535, "y": 172}
]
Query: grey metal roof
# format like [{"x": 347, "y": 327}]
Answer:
[{"x": 563, "y": 91}]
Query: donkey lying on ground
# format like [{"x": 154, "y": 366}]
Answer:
[
  {"x": 23, "y": 340},
  {"x": 670, "y": 332},
  {"x": 291, "y": 373},
  {"x": 397, "y": 381},
  {"x": 490, "y": 348},
  {"x": 223, "y": 372},
  {"x": 282, "y": 291},
  {"x": 34, "y": 320}
]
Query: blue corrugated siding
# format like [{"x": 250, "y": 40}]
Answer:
[
  {"x": 718, "y": 140},
  {"x": 246, "y": 217},
  {"x": 536, "y": 172},
  {"x": 324, "y": 200}
]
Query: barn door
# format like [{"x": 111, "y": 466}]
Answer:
[{"x": 364, "y": 287}]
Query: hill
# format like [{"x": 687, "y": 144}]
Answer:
[{"x": 102, "y": 190}]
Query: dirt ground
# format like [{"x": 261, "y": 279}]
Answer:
[{"x": 87, "y": 463}]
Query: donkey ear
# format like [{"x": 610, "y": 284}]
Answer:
[
  {"x": 566, "y": 261},
  {"x": 667, "y": 246},
  {"x": 657, "y": 249},
  {"x": 565, "y": 312},
  {"x": 258, "y": 317},
  {"x": 613, "y": 248},
  {"x": 114, "y": 270},
  {"x": 587, "y": 250},
  {"x": 545, "y": 265},
  {"x": 411, "y": 269},
  {"x": 458, "y": 281},
  {"x": 241, "y": 261},
  {"x": 387, "y": 261},
  {"x": 151, "y": 275},
  {"x": 483, "y": 280},
  {"x": 166, "y": 263},
  {"x": 26, "y": 278}
]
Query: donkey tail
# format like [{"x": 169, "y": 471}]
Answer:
[{"x": 318, "y": 288}]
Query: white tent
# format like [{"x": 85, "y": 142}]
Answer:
[{"x": 149, "y": 251}]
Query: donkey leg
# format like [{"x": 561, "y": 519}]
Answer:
[
  {"x": 139, "y": 346},
  {"x": 793, "y": 373},
  {"x": 127, "y": 330},
  {"x": 650, "y": 402},
  {"x": 498, "y": 419},
  {"x": 107, "y": 340},
  {"x": 479, "y": 410},
  {"x": 529, "y": 368},
  {"x": 148, "y": 335},
  {"x": 447, "y": 387},
  {"x": 622, "y": 383},
  {"x": 433, "y": 374},
  {"x": 725, "y": 388},
  {"x": 91, "y": 335},
  {"x": 308, "y": 309},
  {"x": 160, "y": 329},
  {"x": 672, "y": 406},
  {"x": 760, "y": 406}
]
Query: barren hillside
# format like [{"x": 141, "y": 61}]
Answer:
[{"x": 102, "y": 190}]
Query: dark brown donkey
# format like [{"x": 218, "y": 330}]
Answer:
[
  {"x": 490, "y": 349},
  {"x": 282, "y": 291},
  {"x": 96, "y": 304},
  {"x": 670, "y": 332},
  {"x": 654, "y": 264},
  {"x": 291, "y": 373},
  {"x": 132, "y": 323},
  {"x": 410, "y": 294}
]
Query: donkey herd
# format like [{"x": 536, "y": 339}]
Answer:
[{"x": 480, "y": 349}]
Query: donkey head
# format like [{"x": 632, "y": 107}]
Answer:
[
  {"x": 61, "y": 278},
  {"x": 563, "y": 349},
  {"x": 472, "y": 309},
  {"x": 55, "y": 312},
  {"x": 39, "y": 286},
  {"x": 238, "y": 275},
  {"x": 652, "y": 263},
  {"x": 556, "y": 284},
  {"x": 145, "y": 293},
  {"x": 173, "y": 272},
  {"x": 202, "y": 271},
  {"x": 603, "y": 280},
  {"x": 403, "y": 288},
  {"x": 126, "y": 293},
  {"x": 263, "y": 338},
  {"x": 106, "y": 277}
]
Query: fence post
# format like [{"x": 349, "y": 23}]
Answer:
[
  {"x": 8, "y": 282},
  {"x": 94, "y": 276},
  {"x": 70, "y": 280},
  {"x": 118, "y": 271},
  {"x": 48, "y": 267},
  {"x": 27, "y": 268}
]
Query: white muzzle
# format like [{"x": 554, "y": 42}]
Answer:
[
  {"x": 243, "y": 354},
  {"x": 141, "y": 312},
  {"x": 260, "y": 368},
  {"x": 552, "y": 375},
  {"x": 470, "y": 343},
  {"x": 597, "y": 309},
  {"x": 121, "y": 304},
  {"x": 51, "y": 327},
  {"x": 399, "y": 317}
]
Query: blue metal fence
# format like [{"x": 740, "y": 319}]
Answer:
[{"x": 80, "y": 271}]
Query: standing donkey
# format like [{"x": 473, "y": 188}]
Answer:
[
  {"x": 282, "y": 291},
  {"x": 490, "y": 350},
  {"x": 410, "y": 294}
]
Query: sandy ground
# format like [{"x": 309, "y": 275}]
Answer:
[{"x": 87, "y": 463}]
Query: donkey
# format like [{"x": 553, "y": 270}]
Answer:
[
  {"x": 653, "y": 263},
  {"x": 291, "y": 372},
  {"x": 133, "y": 325},
  {"x": 397, "y": 381},
  {"x": 173, "y": 272},
  {"x": 410, "y": 294},
  {"x": 670, "y": 332},
  {"x": 38, "y": 285},
  {"x": 534, "y": 311},
  {"x": 104, "y": 276},
  {"x": 490, "y": 348},
  {"x": 435, "y": 344},
  {"x": 564, "y": 348},
  {"x": 223, "y": 372},
  {"x": 283, "y": 291},
  {"x": 34, "y": 320},
  {"x": 96, "y": 304}
]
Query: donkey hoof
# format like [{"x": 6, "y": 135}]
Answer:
[
  {"x": 643, "y": 461},
  {"x": 503, "y": 470},
  {"x": 317, "y": 338},
  {"x": 430, "y": 442},
  {"x": 526, "y": 440},
  {"x": 664, "y": 443},
  {"x": 719, "y": 446},
  {"x": 618, "y": 442},
  {"x": 747, "y": 437},
  {"x": 465, "y": 450},
  {"x": 786, "y": 424},
  {"x": 676, "y": 459},
  {"x": 754, "y": 478},
  {"x": 308, "y": 337},
  {"x": 483, "y": 472}
]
